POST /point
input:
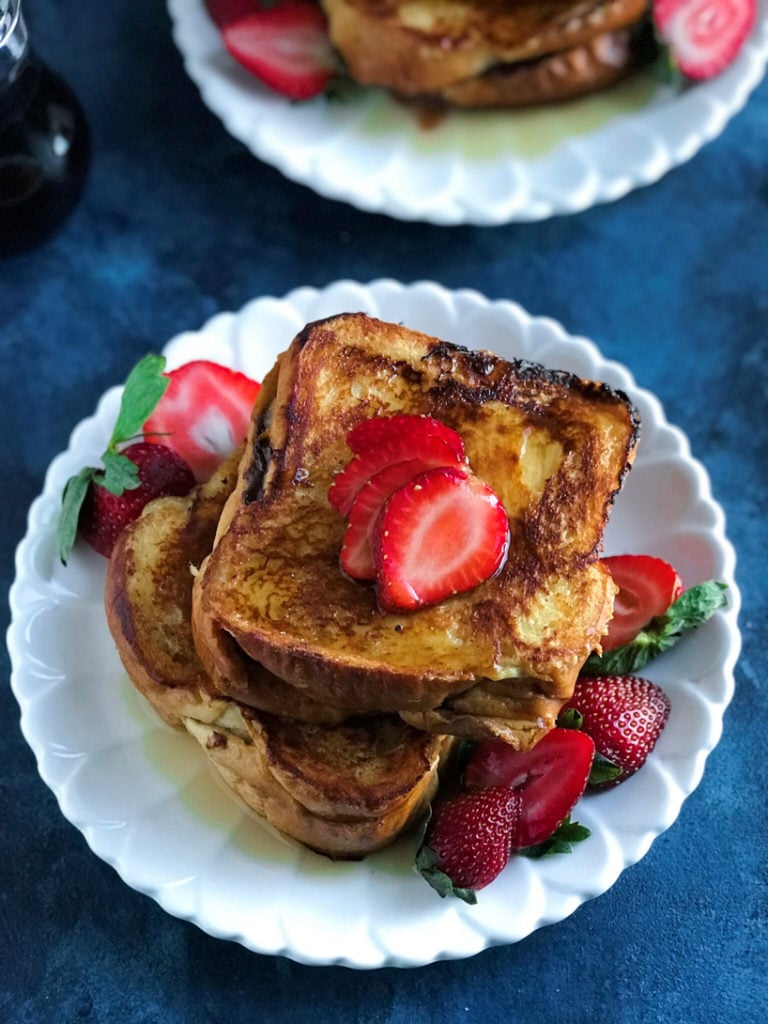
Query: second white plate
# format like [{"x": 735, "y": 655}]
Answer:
[{"x": 476, "y": 167}]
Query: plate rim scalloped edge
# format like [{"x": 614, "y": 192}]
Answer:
[
  {"x": 724, "y": 97},
  {"x": 475, "y": 939}
]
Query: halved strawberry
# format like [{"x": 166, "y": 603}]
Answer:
[
  {"x": 704, "y": 36},
  {"x": 549, "y": 779},
  {"x": 624, "y": 715},
  {"x": 398, "y": 447},
  {"x": 467, "y": 842},
  {"x": 443, "y": 533},
  {"x": 286, "y": 46},
  {"x": 377, "y": 430},
  {"x": 357, "y": 558},
  {"x": 647, "y": 587},
  {"x": 203, "y": 415}
]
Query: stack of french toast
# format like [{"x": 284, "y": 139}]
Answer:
[
  {"x": 326, "y": 715},
  {"x": 490, "y": 53}
]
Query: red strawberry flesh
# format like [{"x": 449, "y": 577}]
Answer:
[
  {"x": 647, "y": 587},
  {"x": 357, "y": 558},
  {"x": 704, "y": 36},
  {"x": 624, "y": 715},
  {"x": 549, "y": 779},
  {"x": 204, "y": 414},
  {"x": 286, "y": 46},
  {"x": 443, "y": 533},
  {"x": 398, "y": 447},
  {"x": 223, "y": 12},
  {"x": 469, "y": 835},
  {"x": 373, "y": 432},
  {"x": 104, "y": 515}
]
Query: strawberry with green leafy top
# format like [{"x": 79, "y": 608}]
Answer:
[
  {"x": 647, "y": 587},
  {"x": 652, "y": 612},
  {"x": 105, "y": 514},
  {"x": 468, "y": 841},
  {"x": 624, "y": 716},
  {"x": 514, "y": 801},
  {"x": 119, "y": 473},
  {"x": 200, "y": 410}
]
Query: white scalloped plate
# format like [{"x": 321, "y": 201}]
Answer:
[
  {"x": 476, "y": 167},
  {"x": 142, "y": 795}
]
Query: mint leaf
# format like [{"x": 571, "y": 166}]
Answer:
[
  {"x": 561, "y": 841},
  {"x": 144, "y": 388},
  {"x": 426, "y": 864},
  {"x": 120, "y": 473},
  {"x": 71, "y": 503},
  {"x": 692, "y": 608}
]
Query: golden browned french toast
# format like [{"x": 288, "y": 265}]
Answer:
[
  {"x": 343, "y": 791},
  {"x": 271, "y": 599},
  {"x": 423, "y": 47}
]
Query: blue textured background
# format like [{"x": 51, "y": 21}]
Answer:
[{"x": 179, "y": 222}]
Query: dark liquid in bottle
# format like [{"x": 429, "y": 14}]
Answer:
[{"x": 44, "y": 156}]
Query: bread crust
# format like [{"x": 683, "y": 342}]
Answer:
[{"x": 554, "y": 447}]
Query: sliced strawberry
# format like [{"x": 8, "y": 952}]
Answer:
[
  {"x": 624, "y": 715},
  {"x": 647, "y": 587},
  {"x": 467, "y": 842},
  {"x": 286, "y": 46},
  {"x": 549, "y": 779},
  {"x": 378, "y": 430},
  {"x": 222, "y": 12},
  {"x": 398, "y": 447},
  {"x": 204, "y": 414},
  {"x": 443, "y": 533},
  {"x": 704, "y": 36},
  {"x": 104, "y": 515},
  {"x": 357, "y": 558}
]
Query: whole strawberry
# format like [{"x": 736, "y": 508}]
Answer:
[
  {"x": 104, "y": 515},
  {"x": 624, "y": 715},
  {"x": 468, "y": 841},
  {"x": 146, "y": 474}
]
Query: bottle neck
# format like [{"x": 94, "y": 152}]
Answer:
[{"x": 14, "y": 42}]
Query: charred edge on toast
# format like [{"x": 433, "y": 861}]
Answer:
[
  {"x": 478, "y": 364},
  {"x": 257, "y": 467}
]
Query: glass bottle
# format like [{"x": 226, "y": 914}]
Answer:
[{"x": 44, "y": 142}]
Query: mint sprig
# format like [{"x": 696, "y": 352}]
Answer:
[
  {"x": 143, "y": 389},
  {"x": 691, "y": 609}
]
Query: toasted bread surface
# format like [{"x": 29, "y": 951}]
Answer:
[
  {"x": 148, "y": 594},
  {"x": 421, "y": 46},
  {"x": 591, "y": 66},
  {"x": 553, "y": 447},
  {"x": 342, "y": 791}
]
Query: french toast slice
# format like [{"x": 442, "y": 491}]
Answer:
[
  {"x": 592, "y": 66},
  {"x": 417, "y": 47},
  {"x": 343, "y": 791},
  {"x": 499, "y": 660}
]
